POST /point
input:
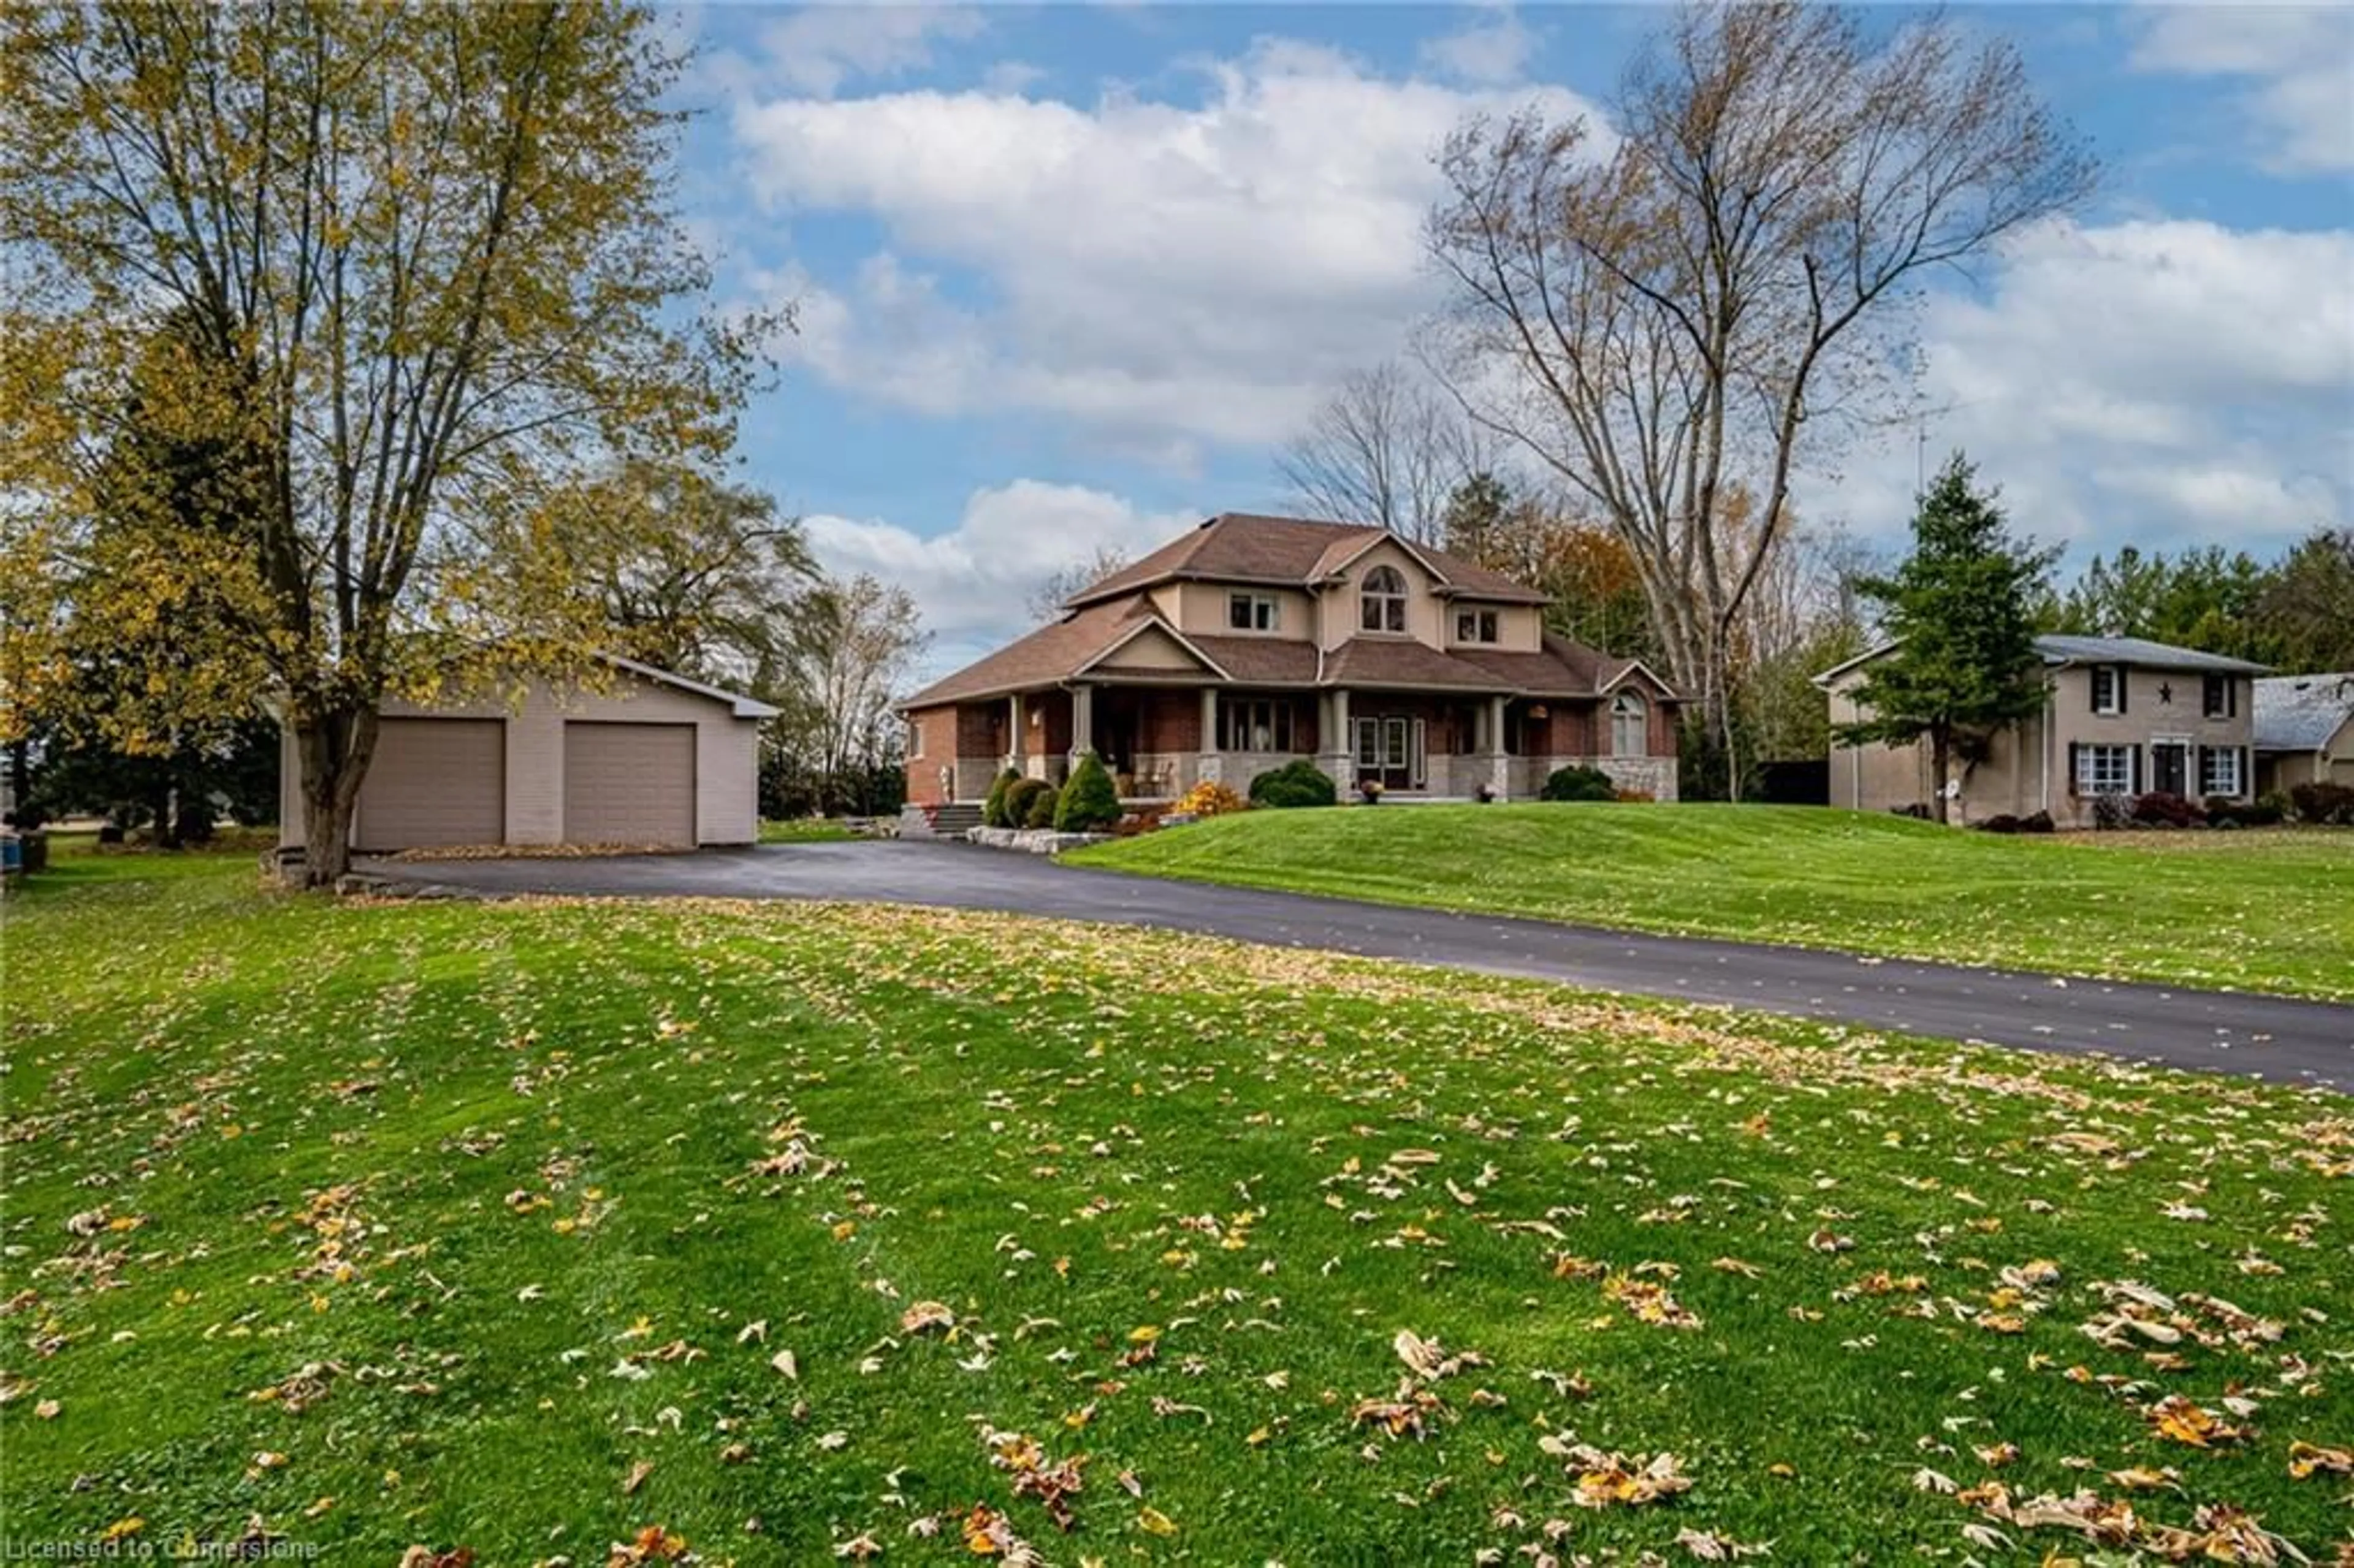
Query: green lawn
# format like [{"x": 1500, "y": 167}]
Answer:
[
  {"x": 2269, "y": 910},
  {"x": 803, "y": 831},
  {"x": 523, "y": 1227}
]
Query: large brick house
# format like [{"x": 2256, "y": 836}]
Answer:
[{"x": 1252, "y": 641}]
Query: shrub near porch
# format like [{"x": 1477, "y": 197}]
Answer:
[{"x": 809, "y": 1231}]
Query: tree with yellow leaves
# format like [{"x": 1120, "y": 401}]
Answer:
[{"x": 423, "y": 267}]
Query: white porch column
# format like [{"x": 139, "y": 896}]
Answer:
[
  {"x": 1210, "y": 765},
  {"x": 1083, "y": 722},
  {"x": 1017, "y": 734},
  {"x": 1500, "y": 762},
  {"x": 1339, "y": 759}
]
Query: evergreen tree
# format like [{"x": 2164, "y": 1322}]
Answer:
[
  {"x": 1088, "y": 802},
  {"x": 1959, "y": 610}
]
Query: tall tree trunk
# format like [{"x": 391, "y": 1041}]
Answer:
[
  {"x": 159, "y": 805},
  {"x": 334, "y": 745},
  {"x": 1941, "y": 755}
]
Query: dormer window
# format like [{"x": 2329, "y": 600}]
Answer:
[
  {"x": 1475, "y": 626},
  {"x": 1380, "y": 603},
  {"x": 1251, "y": 612}
]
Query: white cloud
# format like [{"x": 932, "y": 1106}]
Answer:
[
  {"x": 1493, "y": 51},
  {"x": 2159, "y": 383},
  {"x": 2301, "y": 60},
  {"x": 972, "y": 580},
  {"x": 817, "y": 49},
  {"x": 1151, "y": 269}
]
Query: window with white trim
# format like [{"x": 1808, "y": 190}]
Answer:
[
  {"x": 1251, "y": 612},
  {"x": 2108, "y": 689},
  {"x": 2220, "y": 772},
  {"x": 1475, "y": 626},
  {"x": 1380, "y": 603},
  {"x": 1630, "y": 731},
  {"x": 1253, "y": 724},
  {"x": 2104, "y": 769}
]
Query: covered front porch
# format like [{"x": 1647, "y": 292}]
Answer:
[{"x": 1159, "y": 739}]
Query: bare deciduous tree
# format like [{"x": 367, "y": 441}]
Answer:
[
  {"x": 1388, "y": 449},
  {"x": 1721, "y": 295},
  {"x": 851, "y": 649},
  {"x": 1046, "y": 601}
]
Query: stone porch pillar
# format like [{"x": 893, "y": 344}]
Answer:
[
  {"x": 1083, "y": 722},
  {"x": 1339, "y": 758},
  {"x": 1500, "y": 762},
  {"x": 1209, "y": 765}
]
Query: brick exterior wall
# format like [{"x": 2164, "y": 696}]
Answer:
[
  {"x": 1169, "y": 721},
  {"x": 980, "y": 729}
]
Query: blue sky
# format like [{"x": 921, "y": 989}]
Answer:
[{"x": 1070, "y": 275}]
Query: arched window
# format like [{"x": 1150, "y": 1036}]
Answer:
[
  {"x": 1380, "y": 603},
  {"x": 1629, "y": 735}
]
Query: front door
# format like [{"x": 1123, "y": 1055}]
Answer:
[
  {"x": 1390, "y": 751},
  {"x": 2169, "y": 766}
]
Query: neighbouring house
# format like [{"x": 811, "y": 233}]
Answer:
[
  {"x": 1250, "y": 643},
  {"x": 2305, "y": 731},
  {"x": 2122, "y": 716},
  {"x": 649, "y": 758}
]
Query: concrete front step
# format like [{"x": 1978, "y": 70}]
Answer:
[{"x": 950, "y": 822}]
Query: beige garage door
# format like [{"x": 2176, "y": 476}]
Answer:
[
  {"x": 434, "y": 782},
  {"x": 629, "y": 783}
]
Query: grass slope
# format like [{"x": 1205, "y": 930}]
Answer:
[
  {"x": 487, "y": 1225},
  {"x": 2255, "y": 911}
]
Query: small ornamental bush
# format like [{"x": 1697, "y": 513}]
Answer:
[
  {"x": 1295, "y": 784},
  {"x": 1021, "y": 805},
  {"x": 2223, "y": 811},
  {"x": 993, "y": 809},
  {"x": 2164, "y": 808},
  {"x": 2036, "y": 822},
  {"x": 2111, "y": 813},
  {"x": 2002, "y": 822},
  {"x": 1209, "y": 799},
  {"x": 2323, "y": 805},
  {"x": 1089, "y": 803},
  {"x": 1576, "y": 782}
]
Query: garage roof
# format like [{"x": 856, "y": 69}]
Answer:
[{"x": 742, "y": 705}]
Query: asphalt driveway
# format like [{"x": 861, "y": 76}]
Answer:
[{"x": 2269, "y": 1037}]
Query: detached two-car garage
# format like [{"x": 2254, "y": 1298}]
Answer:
[{"x": 653, "y": 759}]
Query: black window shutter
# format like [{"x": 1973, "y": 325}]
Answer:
[
  {"x": 2133, "y": 770},
  {"x": 2121, "y": 688},
  {"x": 2074, "y": 772},
  {"x": 2197, "y": 780},
  {"x": 2247, "y": 791}
]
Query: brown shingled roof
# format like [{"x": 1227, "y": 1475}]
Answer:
[
  {"x": 1233, "y": 546},
  {"x": 1243, "y": 546},
  {"x": 1049, "y": 655},
  {"x": 1396, "y": 661}
]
